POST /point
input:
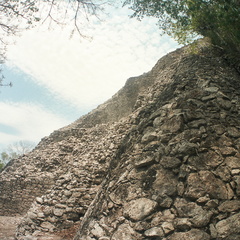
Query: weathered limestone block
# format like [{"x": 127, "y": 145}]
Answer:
[
  {"x": 163, "y": 201},
  {"x": 97, "y": 231},
  {"x": 209, "y": 97},
  {"x": 154, "y": 232},
  {"x": 196, "y": 214},
  {"x": 204, "y": 182},
  {"x": 229, "y": 226},
  {"x": 184, "y": 148},
  {"x": 228, "y": 151},
  {"x": 182, "y": 224},
  {"x": 229, "y": 206},
  {"x": 172, "y": 125},
  {"x": 144, "y": 162},
  {"x": 58, "y": 212},
  {"x": 149, "y": 136},
  {"x": 233, "y": 132},
  {"x": 139, "y": 209},
  {"x": 224, "y": 173},
  {"x": 167, "y": 227},
  {"x": 165, "y": 183},
  {"x": 170, "y": 162},
  {"x": 224, "y": 103},
  {"x": 159, "y": 218},
  {"x": 157, "y": 122},
  {"x": 193, "y": 234},
  {"x": 125, "y": 232},
  {"x": 193, "y": 115},
  {"x": 237, "y": 181},
  {"x": 48, "y": 226},
  {"x": 233, "y": 162},
  {"x": 197, "y": 123}
]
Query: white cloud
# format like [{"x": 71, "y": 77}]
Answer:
[
  {"x": 85, "y": 72},
  {"x": 79, "y": 71},
  {"x": 31, "y": 122}
]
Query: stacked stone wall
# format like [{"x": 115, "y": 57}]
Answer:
[
  {"x": 87, "y": 157},
  {"x": 177, "y": 174},
  {"x": 164, "y": 166},
  {"x": 18, "y": 194}
]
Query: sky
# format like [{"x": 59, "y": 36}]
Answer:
[{"x": 57, "y": 77}]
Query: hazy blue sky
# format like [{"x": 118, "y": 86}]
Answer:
[{"x": 57, "y": 78}]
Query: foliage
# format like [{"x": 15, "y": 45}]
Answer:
[
  {"x": 14, "y": 17},
  {"x": 1, "y": 165},
  {"x": 12, "y": 12},
  {"x": 187, "y": 19},
  {"x": 18, "y": 15},
  {"x": 14, "y": 151}
]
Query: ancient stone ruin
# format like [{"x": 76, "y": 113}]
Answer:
[{"x": 160, "y": 160}]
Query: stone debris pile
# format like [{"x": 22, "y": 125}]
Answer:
[
  {"x": 177, "y": 175},
  {"x": 160, "y": 160},
  {"x": 64, "y": 205}
]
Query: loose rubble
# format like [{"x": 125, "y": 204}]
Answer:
[{"x": 164, "y": 165}]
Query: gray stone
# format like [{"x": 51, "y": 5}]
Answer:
[
  {"x": 149, "y": 136},
  {"x": 67, "y": 193},
  {"x": 235, "y": 172},
  {"x": 193, "y": 234},
  {"x": 182, "y": 224},
  {"x": 204, "y": 182},
  {"x": 97, "y": 231},
  {"x": 196, "y": 214},
  {"x": 164, "y": 201},
  {"x": 237, "y": 181},
  {"x": 144, "y": 162},
  {"x": 173, "y": 124},
  {"x": 233, "y": 162},
  {"x": 223, "y": 173},
  {"x": 139, "y": 209},
  {"x": 184, "y": 148},
  {"x": 233, "y": 132},
  {"x": 165, "y": 183},
  {"x": 225, "y": 104},
  {"x": 157, "y": 122},
  {"x": 209, "y": 97},
  {"x": 213, "y": 231},
  {"x": 31, "y": 215},
  {"x": 228, "y": 226},
  {"x": 39, "y": 200},
  {"x": 197, "y": 123},
  {"x": 212, "y": 89},
  {"x": 47, "y": 225},
  {"x": 58, "y": 211},
  {"x": 170, "y": 162},
  {"x": 154, "y": 232},
  {"x": 167, "y": 227},
  {"x": 228, "y": 151},
  {"x": 125, "y": 232},
  {"x": 230, "y": 206},
  {"x": 47, "y": 210}
]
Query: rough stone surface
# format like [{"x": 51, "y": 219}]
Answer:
[
  {"x": 183, "y": 154},
  {"x": 154, "y": 232},
  {"x": 139, "y": 209},
  {"x": 160, "y": 160},
  {"x": 228, "y": 227},
  {"x": 193, "y": 234}
]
